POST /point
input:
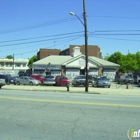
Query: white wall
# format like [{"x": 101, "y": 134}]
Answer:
[
  {"x": 93, "y": 72},
  {"x": 109, "y": 73},
  {"x": 71, "y": 73}
]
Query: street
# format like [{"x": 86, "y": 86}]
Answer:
[{"x": 44, "y": 115}]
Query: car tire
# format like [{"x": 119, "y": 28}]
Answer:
[
  {"x": 18, "y": 83},
  {"x": 108, "y": 86},
  {"x": 31, "y": 83},
  {"x": 0, "y": 87}
]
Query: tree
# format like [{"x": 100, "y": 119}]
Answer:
[
  {"x": 138, "y": 60},
  {"x": 32, "y": 60},
  {"x": 9, "y": 57},
  {"x": 130, "y": 63}
]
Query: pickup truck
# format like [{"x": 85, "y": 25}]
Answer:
[{"x": 138, "y": 79}]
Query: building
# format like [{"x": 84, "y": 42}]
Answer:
[
  {"x": 74, "y": 64},
  {"x": 42, "y": 53},
  {"x": 93, "y": 50},
  {"x": 10, "y": 66}
]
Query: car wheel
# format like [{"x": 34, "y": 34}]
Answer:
[
  {"x": 8, "y": 83},
  {"x": 93, "y": 85},
  {"x": 18, "y": 83},
  {"x": 31, "y": 83},
  {"x": 0, "y": 87}
]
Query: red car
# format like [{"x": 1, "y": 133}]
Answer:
[
  {"x": 38, "y": 77},
  {"x": 62, "y": 81}
]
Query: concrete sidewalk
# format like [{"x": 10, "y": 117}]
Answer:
[{"x": 92, "y": 90}]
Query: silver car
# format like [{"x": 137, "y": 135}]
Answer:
[
  {"x": 102, "y": 82},
  {"x": 27, "y": 80}
]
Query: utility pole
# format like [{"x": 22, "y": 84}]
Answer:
[
  {"x": 86, "y": 44},
  {"x": 86, "y": 41},
  {"x": 13, "y": 61}
]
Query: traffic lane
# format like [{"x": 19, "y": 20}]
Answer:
[
  {"x": 74, "y": 98},
  {"x": 39, "y": 120}
]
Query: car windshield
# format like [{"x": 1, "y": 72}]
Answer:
[
  {"x": 127, "y": 77},
  {"x": 81, "y": 77},
  {"x": 49, "y": 76}
]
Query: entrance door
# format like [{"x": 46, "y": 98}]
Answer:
[{"x": 82, "y": 71}]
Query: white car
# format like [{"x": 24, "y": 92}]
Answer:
[{"x": 27, "y": 80}]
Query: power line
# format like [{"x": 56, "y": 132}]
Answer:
[
  {"x": 29, "y": 42},
  {"x": 113, "y": 17},
  {"x": 24, "y": 39},
  {"x": 53, "y": 45},
  {"x": 58, "y": 21},
  {"x": 68, "y": 40},
  {"x": 123, "y": 39}
]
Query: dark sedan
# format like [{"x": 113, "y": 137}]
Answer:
[
  {"x": 10, "y": 80},
  {"x": 102, "y": 82}
]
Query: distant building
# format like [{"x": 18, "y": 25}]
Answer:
[
  {"x": 93, "y": 50},
  {"x": 42, "y": 53},
  {"x": 10, "y": 66}
]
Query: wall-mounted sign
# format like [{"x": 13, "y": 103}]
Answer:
[{"x": 47, "y": 67}]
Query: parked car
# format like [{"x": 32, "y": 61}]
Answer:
[
  {"x": 2, "y": 80},
  {"x": 49, "y": 80},
  {"x": 10, "y": 79},
  {"x": 79, "y": 80},
  {"x": 27, "y": 80},
  {"x": 62, "y": 81},
  {"x": 124, "y": 79},
  {"x": 91, "y": 79},
  {"x": 38, "y": 77},
  {"x": 102, "y": 82}
]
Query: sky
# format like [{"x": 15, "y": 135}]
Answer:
[{"x": 28, "y": 25}]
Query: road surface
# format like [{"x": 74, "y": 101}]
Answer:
[{"x": 39, "y": 115}]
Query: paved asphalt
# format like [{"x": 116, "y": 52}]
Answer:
[{"x": 39, "y": 115}]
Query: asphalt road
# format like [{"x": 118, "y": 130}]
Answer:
[{"x": 36, "y": 115}]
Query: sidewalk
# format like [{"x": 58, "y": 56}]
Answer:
[{"x": 91, "y": 90}]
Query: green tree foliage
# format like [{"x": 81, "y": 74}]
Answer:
[
  {"x": 129, "y": 62},
  {"x": 32, "y": 60},
  {"x": 138, "y": 60},
  {"x": 9, "y": 57},
  {"x": 117, "y": 58}
]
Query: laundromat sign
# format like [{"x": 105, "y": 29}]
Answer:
[{"x": 47, "y": 67}]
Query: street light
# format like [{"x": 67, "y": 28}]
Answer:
[{"x": 86, "y": 41}]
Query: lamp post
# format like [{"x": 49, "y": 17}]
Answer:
[{"x": 86, "y": 41}]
